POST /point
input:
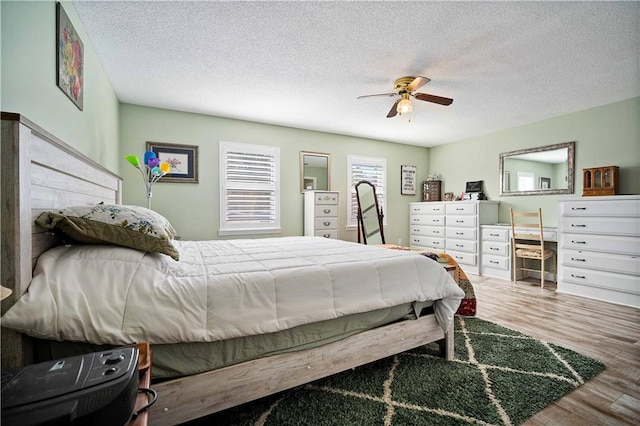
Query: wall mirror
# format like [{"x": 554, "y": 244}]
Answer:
[
  {"x": 315, "y": 171},
  {"x": 538, "y": 171}
]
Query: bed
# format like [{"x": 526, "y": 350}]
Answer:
[{"x": 40, "y": 173}]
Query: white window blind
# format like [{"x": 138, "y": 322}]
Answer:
[
  {"x": 249, "y": 189},
  {"x": 526, "y": 181},
  {"x": 365, "y": 168}
]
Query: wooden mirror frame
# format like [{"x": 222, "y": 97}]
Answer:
[
  {"x": 303, "y": 160},
  {"x": 570, "y": 146},
  {"x": 362, "y": 231}
]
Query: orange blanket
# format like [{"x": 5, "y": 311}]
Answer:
[{"x": 468, "y": 305}]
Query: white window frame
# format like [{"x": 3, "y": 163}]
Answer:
[
  {"x": 248, "y": 228},
  {"x": 381, "y": 187}
]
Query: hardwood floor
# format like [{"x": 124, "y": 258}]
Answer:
[{"x": 605, "y": 331}]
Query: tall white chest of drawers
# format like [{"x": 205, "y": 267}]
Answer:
[
  {"x": 452, "y": 227},
  {"x": 321, "y": 214},
  {"x": 599, "y": 248}
]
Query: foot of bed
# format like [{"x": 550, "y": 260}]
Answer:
[{"x": 447, "y": 344}]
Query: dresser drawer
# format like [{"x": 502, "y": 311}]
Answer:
[
  {"x": 625, "y": 264},
  {"x": 328, "y": 233},
  {"x": 495, "y": 262},
  {"x": 430, "y": 242},
  {"x": 466, "y": 221},
  {"x": 495, "y": 234},
  {"x": 600, "y": 208},
  {"x": 601, "y": 225},
  {"x": 623, "y": 245},
  {"x": 496, "y": 248},
  {"x": 462, "y": 245},
  {"x": 608, "y": 280},
  {"x": 326, "y": 223},
  {"x": 327, "y": 210},
  {"x": 433, "y": 220},
  {"x": 462, "y": 257},
  {"x": 455, "y": 209},
  {"x": 427, "y": 208},
  {"x": 429, "y": 231},
  {"x": 326, "y": 198},
  {"x": 462, "y": 233}
]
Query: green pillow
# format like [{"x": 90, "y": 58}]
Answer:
[{"x": 129, "y": 226}]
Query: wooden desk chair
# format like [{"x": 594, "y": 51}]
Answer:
[{"x": 527, "y": 242}]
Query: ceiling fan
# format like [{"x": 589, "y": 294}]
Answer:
[{"x": 405, "y": 88}]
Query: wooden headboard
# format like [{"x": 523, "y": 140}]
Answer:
[{"x": 38, "y": 172}]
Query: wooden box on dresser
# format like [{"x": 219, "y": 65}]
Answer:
[
  {"x": 452, "y": 227},
  {"x": 321, "y": 214},
  {"x": 599, "y": 248}
]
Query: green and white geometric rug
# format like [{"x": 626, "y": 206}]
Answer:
[{"x": 499, "y": 377}]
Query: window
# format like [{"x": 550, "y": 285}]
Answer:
[
  {"x": 526, "y": 181},
  {"x": 365, "y": 168},
  {"x": 249, "y": 189}
]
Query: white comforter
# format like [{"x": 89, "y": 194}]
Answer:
[{"x": 219, "y": 289}]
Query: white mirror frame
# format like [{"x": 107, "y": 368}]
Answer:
[{"x": 504, "y": 185}]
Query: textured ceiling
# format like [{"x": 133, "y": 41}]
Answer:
[{"x": 303, "y": 64}]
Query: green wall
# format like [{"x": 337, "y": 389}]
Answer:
[
  {"x": 193, "y": 209},
  {"x": 606, "y": 135},
  {"x": 28, "y": 81}
]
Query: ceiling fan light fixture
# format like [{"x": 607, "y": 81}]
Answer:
[{"x": 404, "y": 106}]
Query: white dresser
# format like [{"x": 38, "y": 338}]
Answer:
[
  {"x": 599, "y": 248},
  {"x": 321, "y": 213},
  {"x": 496, "y": 249},
  {"x": 452, "y": 227}
]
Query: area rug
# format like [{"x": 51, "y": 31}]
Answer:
[{"x": 499, "y": 377}]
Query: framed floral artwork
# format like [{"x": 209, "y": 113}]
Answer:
[
  {"x": 183, "y": 160},
  {"x": 69, "y": 58}
]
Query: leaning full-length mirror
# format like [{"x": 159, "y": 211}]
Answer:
[
  {"x": 315, "y": 171},
  {"x": 538, "y": 171},
  {"x": 369, "y": 214}
]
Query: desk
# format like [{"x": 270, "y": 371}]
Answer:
[{"x": 495, "y": 246}]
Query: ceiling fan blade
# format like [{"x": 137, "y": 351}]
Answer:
[
  {"x": 417, "y": 83},
  {"x": 379, "y": 94},
  {"x": 394, "y": 109},
  {"x": 433, "y": 98}
]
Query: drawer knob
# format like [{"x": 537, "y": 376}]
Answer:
[
  {"x": 459, "y": 221},
  {"x": 327, "y": 211},
  {"x": 495, "y": 262},
  {"x": 494, "y": 235},
  {"x": 459, "y": 245},
  {"x": 326, "y": 235},
  {"x": 578, "y": 208},
  {"x": 578, "y": 260},
  {"x": 459, "y": 233},
  {"x": 494, "y": 248},
  {"x": 578, "y": 242},
  {"x": 579, "y": 225},
  {"x": 325, "y": 223},
  {"x": 578, "y": 276}
]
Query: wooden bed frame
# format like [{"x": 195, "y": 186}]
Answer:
[{"x": 39, "y": 172}]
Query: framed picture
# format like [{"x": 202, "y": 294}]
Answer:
[
  {"x": 448, "y": 196},
  {"x": 545, "y": 183},
  {"x": 69, "y": 58},
  {"x": 183, "y": 160},
  {"x": 408, "y": 180}
]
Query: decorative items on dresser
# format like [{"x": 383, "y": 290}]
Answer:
[
  {"x": 431, "y": 190},
  {"x": 600, "y": 181},
  {"x": 452, "y": 227},
  {"x": 599, "y": 248},
  {"x": 321, "y": 214}
]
